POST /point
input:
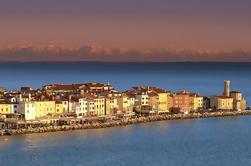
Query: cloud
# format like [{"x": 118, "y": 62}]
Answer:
[{"x": 98, "y": 53}]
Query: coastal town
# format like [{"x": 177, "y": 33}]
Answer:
[{"x": 93, "y": 105}]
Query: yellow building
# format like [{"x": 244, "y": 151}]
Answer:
[
  {"x": 198, "y": 103},
  {"x": 222, "y": 103},
  {"x": 111, "y": 106},
  {"x": 59, "y": 108},
  {"x": 125, "y": 104},
  {"x": 169, "y": 101},
  {"x": 243, "y": 104},
  {"x": 162, "y": 101},
  {"x": 153, "y": 100},
  {"x": 99, "y": 106},
  {"x": 43, "y": 108},
  {"x": 6, "y": 108},
  {"x": 239, "y": 101}
]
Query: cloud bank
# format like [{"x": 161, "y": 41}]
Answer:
[{"x": 102, "y": 54}]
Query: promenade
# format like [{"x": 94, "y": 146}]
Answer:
[{"x": 119, "y": 122}]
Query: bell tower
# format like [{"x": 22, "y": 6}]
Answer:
[{"x": 227, "y": 88}]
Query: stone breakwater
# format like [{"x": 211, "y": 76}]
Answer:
[{"x": 121, "y": 122}]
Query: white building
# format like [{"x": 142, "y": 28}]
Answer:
[
  {"x": 27, "y": 109},
  {"x": 143, "y": 99},
  {"x": 83, "y": 107}
]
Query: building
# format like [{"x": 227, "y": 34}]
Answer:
[
  {"x": 239, "y": 101},
  {"x": 44, "y": 108},
  {"x": 24, "y": 97},
  {"x": 162, "y": 100},
  {"x": 153, "y": 100},
  {"x": 111, "y": 105},
  {"x": 223, "y": 103},
  {"x": 59, "y": 109},
  {"x": 99, "y": 105},
  {"x": 66, "y": 106},
  {"x": 169, "y": 101},
  {"x": 26, "y": 89},
  {"x": 82, "y": 109},
  {"x": 27, "y": 109},
  {"x": 62, "y": 88},
  {"x": 230, "y": 100},
  {"x": 125, "y": 104},
  {"x": 91, "y": 107},
  {"x": 98, "y": 87},
  {"x": 206, "y": 103},
  {"x": 142, "y": 98},
  {"x": 198, "y": 102},
  {"x": 6, "y": 108},
  {"x": 182, "y": 102}
]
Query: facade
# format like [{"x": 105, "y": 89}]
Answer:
[
  {"x": 6, "y": 108},
  {"x": 125, "y": 104},
  {"x": 162, "y": 101},
  {"x": 153, "y": 100},
  {"x": 91, "y": 107},
  {"x": 75, "y": 108},
  {"x": 28, "y": 109},
  {"x": 43, "y": 108},
  {"x": 66, "y": 106},
  {"x": 143, "y": 99},
  {"x": 169, "y": 101},
  {"x": 198, "y": 103},
  {"x": 182, "y": 102},
  {"x": 99, "y": 106},
  {"x": 59, "y": 107},
  {"x": 83, "y": 107},
  {"x": 239, "y": 102},
  {"x": 222, "y": 103},
  {"x": 111, "y": 105},
  {"x": 206, "y": 103}
]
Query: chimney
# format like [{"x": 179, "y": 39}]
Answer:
[
  {"x": 227, "y": 88},
  {"x": 20, "y": 97},
  {"x": 29, "y": 97}
]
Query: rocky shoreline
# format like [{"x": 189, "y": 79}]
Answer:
[{"x": 121, "y": 122}]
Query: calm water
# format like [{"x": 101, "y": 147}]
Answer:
[
  {"x": 207, "y": 142},
  {"x": 206, "y": 78}
]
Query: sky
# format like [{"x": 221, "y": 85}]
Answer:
[{"x": 211, "y": 25}]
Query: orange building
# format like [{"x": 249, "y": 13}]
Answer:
[{"x": 182, "y": 101}]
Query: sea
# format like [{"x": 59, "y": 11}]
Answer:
[{"x": 209, "y": 142}]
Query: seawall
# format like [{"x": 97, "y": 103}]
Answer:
[{"x": 121, "y": 122}]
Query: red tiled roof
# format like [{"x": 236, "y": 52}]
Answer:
[
  {"x": 224, "y": 97},
  {"x": 63, "y": 86},
  {"x": 151, "y": 94}
]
